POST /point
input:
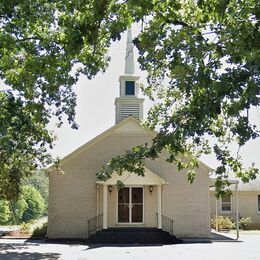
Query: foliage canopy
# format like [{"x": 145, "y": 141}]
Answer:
[
  {"x": 29, "y": 206},
  {"x": 202, "y": 59}
]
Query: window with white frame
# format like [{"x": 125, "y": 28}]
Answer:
[
  {"x": 258, "y": 203},
  {"x": 226, "y": 203}
]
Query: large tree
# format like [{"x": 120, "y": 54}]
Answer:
[
  {"x": 202, "y": 60},
  {"x": 44, "y": 47}
]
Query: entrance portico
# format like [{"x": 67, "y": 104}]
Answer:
[{"x": 133, "y": 204}]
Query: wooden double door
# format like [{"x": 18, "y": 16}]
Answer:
[{"x": 130, "y": 205}]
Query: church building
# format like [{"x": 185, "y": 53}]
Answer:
[{"x": 80, "y": 205}]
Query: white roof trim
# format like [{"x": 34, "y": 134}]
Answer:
[
  {"x": 107, "y": 133},
  {"x": 130, "y": 178},
  {"x": 103, "y": 135},
  {"x": 212, "y": 181}
]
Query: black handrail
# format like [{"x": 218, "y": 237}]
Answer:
[{"x": 95, "y": 224}]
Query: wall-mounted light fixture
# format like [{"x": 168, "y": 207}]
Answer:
[
  {"x": 110, "y": 188},
  {"x": 151, "y": 188}
]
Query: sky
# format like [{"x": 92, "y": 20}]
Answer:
[{"x": 95, "y": 110}]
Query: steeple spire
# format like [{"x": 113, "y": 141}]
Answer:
[
  {"x": 128, "y": 103},
  {"x": 129, "y": 56}
]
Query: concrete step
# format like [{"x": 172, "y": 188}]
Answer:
[{"x": 133, "y": 236}]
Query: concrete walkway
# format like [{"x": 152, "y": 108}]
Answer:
[
  {"x": 38, "y": 223},
  {"x": 6, "y": 229},
  {"x": 247, "y": 249}
]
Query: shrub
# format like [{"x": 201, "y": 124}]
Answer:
[
  {"x": 223, "y": 223},
  {"x": 40, "y": 181},
  {"x": 25, "y": 227},
  {"x": 29, "y": 206},
  {"x": 5, "y": 213},
  {"x": 35, "y": 202},
  {"x": 244, "y": 222},
  {"x": 40, "y": 231},
  {"x": 17, "y": 208}
]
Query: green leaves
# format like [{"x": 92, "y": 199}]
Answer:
[
  {"x": 5, "y": 213},
  {"x": 23, "y": 141},
  {"x": 132, "y": 161},
  {"x": 41, "y": 43},
  {"x": 29, "y": 206},
  {"x": 201, "y": 57},
  {"x": 120, "y": 185}
]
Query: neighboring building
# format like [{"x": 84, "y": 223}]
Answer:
[
  {"x": 163, "y": 198},
  {"x": 248, "y": 202}
]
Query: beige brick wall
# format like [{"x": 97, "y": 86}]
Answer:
[
  {"x": 73, "y": 195},
  {"x": 187, "y": 204},
  {"x": 247, "y": 206}
]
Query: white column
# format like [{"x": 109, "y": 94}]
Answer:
[
  {"x": 237, "y": 218},
  {"x": 216, "y": 214},
  {"x": 159, "y": 203},
  {"x": 97, "y": 203},
  {"x": 104, "y": 206}
]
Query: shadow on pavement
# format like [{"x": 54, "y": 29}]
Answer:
[
  {"x": 16, "y": 251},
  {"x": 97, "y": 245},
  {"x": 84, "y": 242},
  {"x": 27, "y": 256}
]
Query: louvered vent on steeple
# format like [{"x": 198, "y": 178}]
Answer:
[{"x": 129, "y": 110}]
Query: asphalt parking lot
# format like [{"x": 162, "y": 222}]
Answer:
[{"x": 246, "y": 249}]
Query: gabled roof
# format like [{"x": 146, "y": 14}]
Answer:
[
  {"x": 134, "y": 124},
  {"x": 253, "y": 185},
  {"x": 213, "y": 180},
  {"x": 130, "y": 125},
  {"x": 129, "y": 178}
]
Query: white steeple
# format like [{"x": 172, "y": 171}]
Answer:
[
  {"x": 128, "y": 103},
  {"x": 129, "y": 56}
]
